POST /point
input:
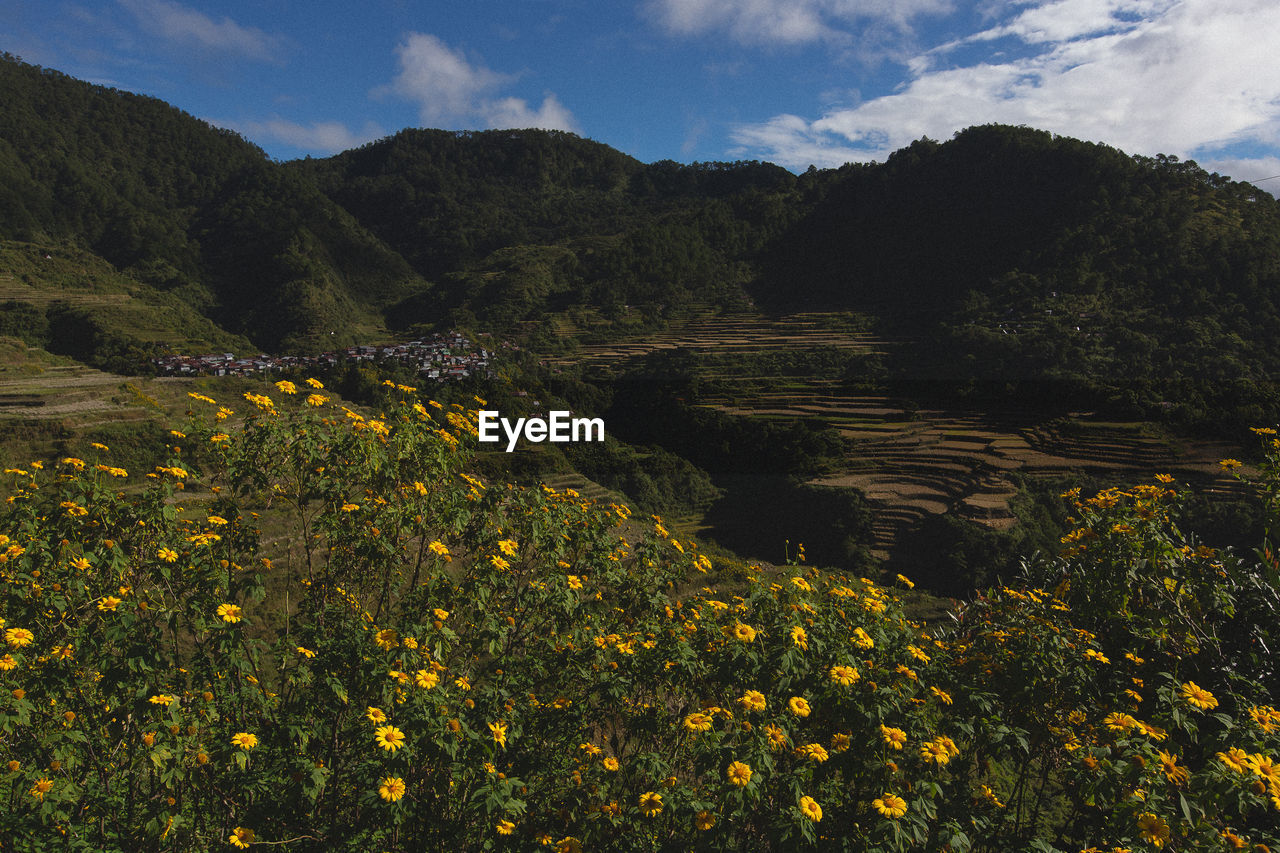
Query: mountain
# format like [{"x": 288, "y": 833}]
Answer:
[
  {"x": 1039, "y": 266},
  {"x": 1033, "y": 265},
  {"x": 513, "y": 224},
  {"x": 186, "y": 208}
]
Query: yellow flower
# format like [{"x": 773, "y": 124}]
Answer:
[
  {"x": 813, "y": 752},
  {"x": 739, "y": 773},
  {"x": 935, "y": 751},
  {"x": 777, "y": 737},
  {"x": 1266, "y": 717},
  {"x": 230, "y": 612},
  {"x": 575, "y": 582},
  {"x": 244, "y": 740},
  {"x": 305, "y": 652},
  {"x": 161, "y": 699},
  {"x": 16, "y": 638},
  {"x": 893, "y": 737},
  {"x": 1154, "y": 732},
  {"x": 810, "y": 809},
  {"x": 504, "y": 827},
  {"x": 611, "y": 764},
  {"x": 426, "y": 679},
  {"x": 375, "y": 715},
  {"x": 1152, "y": 828},
  {"x": 1265, "y": 766},
  {"x": 350, "y": 507},
  {"x": 1198, "y": 696},
  {"x": 389, "y": 738},
  {"x": 168, "y": 555},
  {"x": 1235, "y": 759},
  {"x": 890, "y": 805},
  {"x": 438, "y": 547},
  {"x": 391, "y": 789},
  {"x": 242, "y": 837},
  {"x": 80, "y": 563},
  {"x": 697, "y": 722},
  {"x": 508, "y": 547},
  {"x": 840, "y": 742},
  {"x": 108, "y": 602},
  {"x": 704, "y": 820},
  {"x": 499, "y": 732},
  {"x": 1175, "y": 774},
  {"x": 752, "y": 700},
  {"x": 287, "y": 387},
  {"x": 387, "y": 639},
  {"x": 744, "y": 632},
  {"x": 1118, "y": 721},
  {"x": 650, "y": 803},
  {"x": 7, "y": 663},
  {"x": 568, "y": 844},
  {"x": 798, "y": 706},
  {"x": 843, "y": 675},
  {"x": 40, "y": 788},
  {"x": 861, "y": 639},
  {"x": 943, "y": 696},
  {"x": 799, "y": 637}
]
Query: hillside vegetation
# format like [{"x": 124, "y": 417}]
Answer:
[
  {"x": 417, "y": 659},
  {"x": 1041, "y": 267}
]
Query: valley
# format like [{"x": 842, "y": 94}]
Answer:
[{"x": 912, "y": 460}]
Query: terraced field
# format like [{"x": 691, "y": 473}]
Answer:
[{"x": 911, "y": 463}]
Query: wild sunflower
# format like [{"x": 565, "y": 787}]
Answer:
[
  {"x": 391, "y": 788},
  {"x": 890, "y": 805},
  {"x": 389, "y": 738}
]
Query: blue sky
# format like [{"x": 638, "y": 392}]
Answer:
[{"x": 795, "y": 82}]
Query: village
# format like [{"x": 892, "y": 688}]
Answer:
[{"x": 443, "y": 356}]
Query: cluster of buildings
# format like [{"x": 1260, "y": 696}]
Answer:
[{"x": 442, "y": 356}]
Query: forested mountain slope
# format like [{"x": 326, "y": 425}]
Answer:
[
  {"x": 1032, "y": 264},
  {"x": 185, "y": 207},
  {"x": 1041, "y": 265},
  {"x": 513, "y": 224}
]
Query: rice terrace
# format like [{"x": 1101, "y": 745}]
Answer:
[{"x": 911, "y": 462}]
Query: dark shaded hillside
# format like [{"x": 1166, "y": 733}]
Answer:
[
  {"x": 1045, "y": 266},
  {"x": 187, "y": 208}
]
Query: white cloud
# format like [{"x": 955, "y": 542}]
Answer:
[
  {"x": 186, "y": 26},
  {"x": 784, "y": 21},
  {"x": 450, "y": 89},
  {"x": 1148, "y": 76},
  {"x": 1249, "y": 169},
  {"x": 325, "y": 137}
]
